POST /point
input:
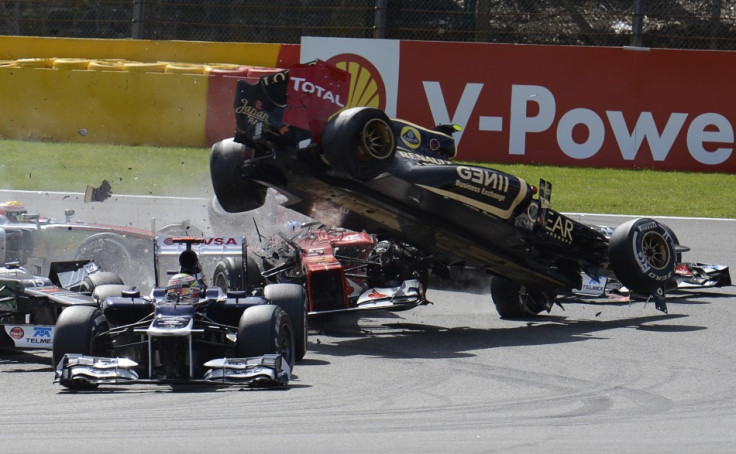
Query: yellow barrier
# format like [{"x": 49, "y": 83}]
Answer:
[
  {"x": 106, "y": 106},
  {"x": 115, "y": 91},
  {"x": 254, "y": 54},
  {"x": 209, "y": 67},
  {"x": 145, "y": 67},
  {"x": 34, "y": 63},
  {"x": 106, "y": 65},
  {"x": 71, "y": 63},
  {"x": 184, "y": 68}
]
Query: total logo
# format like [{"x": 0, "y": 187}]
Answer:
[{"x": 366, "y": 84}]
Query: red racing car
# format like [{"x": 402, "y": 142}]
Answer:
[{"x": 344, "y": 270}]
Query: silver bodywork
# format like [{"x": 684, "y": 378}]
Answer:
[{"x": 29, "y": 303}]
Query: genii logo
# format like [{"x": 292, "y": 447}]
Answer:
[{"x": 366, "y": 84}]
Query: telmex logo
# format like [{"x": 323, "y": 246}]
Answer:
[{"x": 366, "y": 84}]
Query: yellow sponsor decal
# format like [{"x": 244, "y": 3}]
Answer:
[{"x": 411, "y": 137}]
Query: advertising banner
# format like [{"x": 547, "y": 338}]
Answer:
[{"x": 563, "y": 105}]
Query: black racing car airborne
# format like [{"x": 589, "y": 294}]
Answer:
[
  {"x": 183, "y": 333},
  {"x": 356, "y": 168}
]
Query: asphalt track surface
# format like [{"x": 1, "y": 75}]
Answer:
[{"x": 450, "y": 377}]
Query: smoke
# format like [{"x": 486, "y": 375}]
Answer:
[{"x": 260, "y": 227}]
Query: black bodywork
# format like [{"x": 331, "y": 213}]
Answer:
[{"x": 408, "y": 187}]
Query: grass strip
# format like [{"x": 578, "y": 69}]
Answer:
[{"x": 184, "y": 172}]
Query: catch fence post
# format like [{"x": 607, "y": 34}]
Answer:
[
  {"x": 637, "y": 24},
  {"x": 379, "y": 27},
  {"x": 137, "y": 29}
]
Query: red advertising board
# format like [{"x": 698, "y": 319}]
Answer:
[
  {"x": 600, "y": 107},
  {"x": 562, "y": 105}
]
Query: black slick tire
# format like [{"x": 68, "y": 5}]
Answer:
[
  {"x": 507, "y": 298},
  {"x": 228, "y": 274},
  {"x": 359, "y": 142},
  {"x": 642, "y": 254},
  {"x": 94, "y": 280},
  {"x": 74, "y": 333},
  {"x": 266, "y": 329},
  {"x": 292, "y": 299},
  {"x": 234, "y": 191}
]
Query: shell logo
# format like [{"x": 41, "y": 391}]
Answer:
[{"x": 366, "y": 84}]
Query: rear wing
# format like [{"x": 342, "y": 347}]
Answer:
[
  {"x": 168, "y": 253},
  {"x": 70, "y": 274},
  {"x": 206, "y": 246},
  {"x": 289, "y": 106},
  {"x": 59, "y": 295}
]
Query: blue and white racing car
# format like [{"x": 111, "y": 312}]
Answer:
[{"x": 186, "y": 331}]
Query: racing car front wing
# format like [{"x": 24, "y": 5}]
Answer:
[
  {"x": 688, "y": 275},
  {"x": 256, "y": 372}
]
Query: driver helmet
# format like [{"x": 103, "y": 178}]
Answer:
[
  {"x": 12, "y": 209},
  {"x": 183, "y": 287}
]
